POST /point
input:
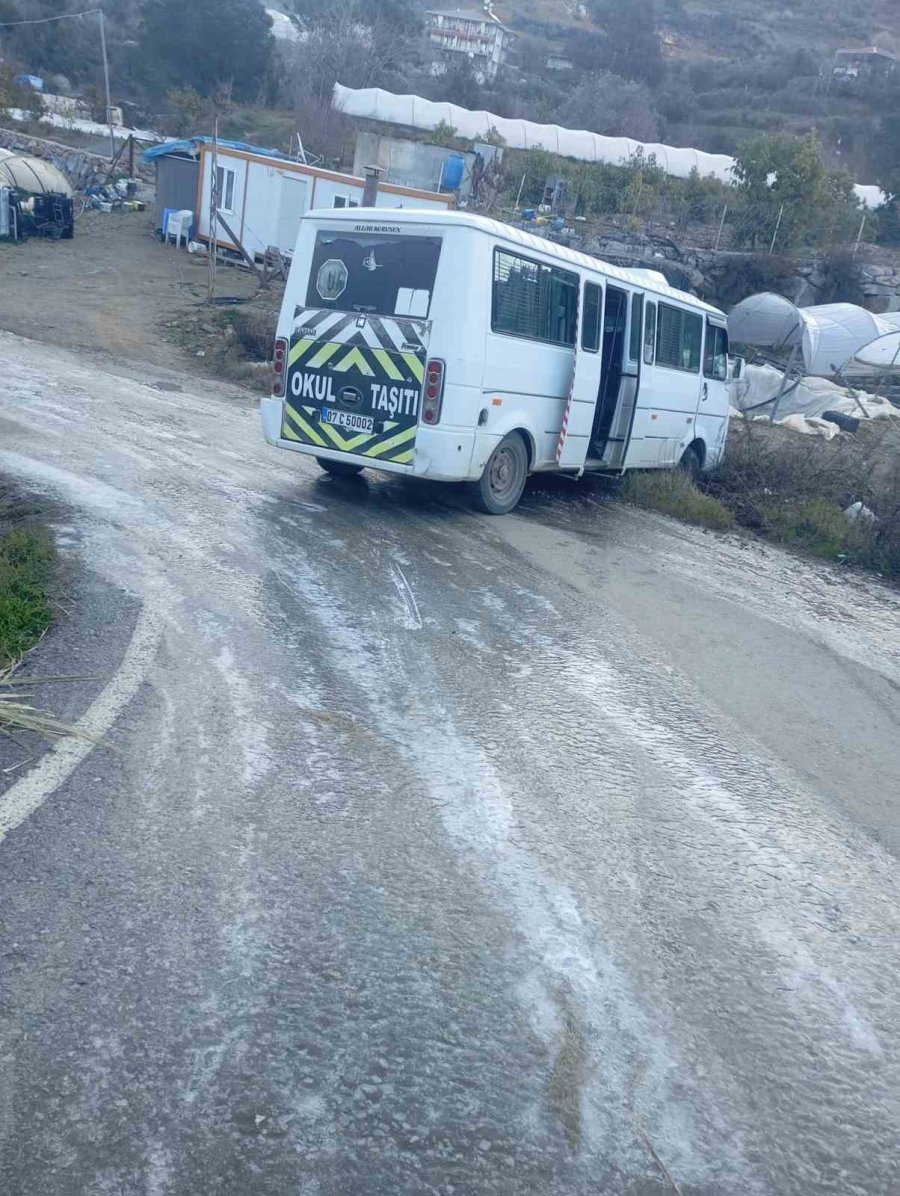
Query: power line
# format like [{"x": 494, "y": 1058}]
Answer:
[{"x": 66, "y": 16}]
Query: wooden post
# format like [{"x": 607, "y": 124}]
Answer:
[
  {"x": 213, "y": 216},
  {"x": 248, "y": 258},
  {"x": 721, "y": 227},
  {"x": 777, "y": 227},
  {"x": 798, "y": 348}
]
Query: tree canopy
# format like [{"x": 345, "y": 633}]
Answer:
[
  {"x": 207, "y": 44},
  {"x": 784, "y": 183}
]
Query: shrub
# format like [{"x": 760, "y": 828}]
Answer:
[
  {"x": 796, "y": 489},
  {"x": 673, "y": 492},
  {"x": 26, "y": 566},
  {"x": 254, "y": 333}
]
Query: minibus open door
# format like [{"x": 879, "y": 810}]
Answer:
[{"x": 578, "y": 416}]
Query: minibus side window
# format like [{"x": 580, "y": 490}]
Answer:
[
  {"x": 590, "y": 317},
  {"x": 679, "y": 339},
  {"x": 637, "y": 310},
  {"x": 715, "y": 354},
  {"x": 533, "y": 300},
  {"x": 650, "y": 334}
]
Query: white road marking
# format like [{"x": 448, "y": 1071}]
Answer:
[
  {"x": 30, "y": 792},
  {"x": 412, "y": 620}
]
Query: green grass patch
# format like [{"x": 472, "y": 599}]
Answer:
[
  {"x": 674, "y": 492},
  {"x": 818, "y": 525},
  {"x": 27, "y": 562}
]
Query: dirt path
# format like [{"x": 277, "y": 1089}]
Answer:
[{"x": 113, "y": 288}]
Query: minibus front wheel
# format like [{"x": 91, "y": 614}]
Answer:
[{"x": 500, "y": 486}]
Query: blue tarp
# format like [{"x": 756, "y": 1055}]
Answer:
[{"x": 191, "y": 145}]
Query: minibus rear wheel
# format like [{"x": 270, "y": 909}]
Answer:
[
  {"x": 500, "y": 486},
  {"x": 339, "y": 469}
]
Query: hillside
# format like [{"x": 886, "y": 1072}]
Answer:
[
  {"x": 728, "y": 68},
  {"x": 704, "y": 73}
]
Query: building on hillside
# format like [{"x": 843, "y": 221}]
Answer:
[
  {"x": 479, "y": 35},
  {"x": 869, "y": 62},
  {"x": 261, "y": 192},
  {"x": 558, "y": 61}
]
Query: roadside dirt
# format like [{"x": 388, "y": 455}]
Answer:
[{"x": 115, "y": 288}]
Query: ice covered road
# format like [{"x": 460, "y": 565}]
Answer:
[{"x": 439, "y": 854}]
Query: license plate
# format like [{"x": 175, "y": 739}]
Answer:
[{"x": 348, "y": 420}]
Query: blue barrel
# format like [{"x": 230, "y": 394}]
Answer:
[{"x": 452, "y": 174}]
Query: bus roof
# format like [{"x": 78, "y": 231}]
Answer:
[{"x": 642, "y": 279}]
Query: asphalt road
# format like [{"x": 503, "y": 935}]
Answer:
[{"x": 439, "y": 853}]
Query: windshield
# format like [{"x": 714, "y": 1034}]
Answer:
[{"x": 381, "y": 274}]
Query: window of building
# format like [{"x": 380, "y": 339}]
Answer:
[
  {"x": 634, "y": 344},
  {"x": 590, "y": 321},
  {"x": 344, "y": 201},
  {"x": 650, "y": 334},
  {"x": 679, "y": 339},
  {"x": 715, "y": 354},
  {"x": 533, "y": 300},
  {"x": 225, "y": 188}
]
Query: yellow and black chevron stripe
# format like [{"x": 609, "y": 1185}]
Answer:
[
  {"x": 394, "y": 443},
  {"x": 331, "y": 350},
  {"x": 379, "y": 365}
]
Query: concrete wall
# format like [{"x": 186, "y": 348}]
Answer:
[
  {"x": 80, "y": 166},
  {"x": 176, "y": 185},
  {"x": 407, "y": 163}
]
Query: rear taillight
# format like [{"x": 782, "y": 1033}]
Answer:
[
  {"x": 434, "y": 391},
  {"x": 279, "y": 367}
]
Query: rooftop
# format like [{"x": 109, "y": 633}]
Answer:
[
  {"x": 643, "y": 279},
  {"x": 468, "y": 14},
  {"x": 869, "y": 50}
]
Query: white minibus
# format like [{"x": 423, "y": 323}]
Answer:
[{"x": 446, "y": 345}]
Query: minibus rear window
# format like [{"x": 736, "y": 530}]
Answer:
[{"x": 379, "y": 274}]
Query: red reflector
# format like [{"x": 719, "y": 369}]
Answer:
[
  {"x": 279, "y": 366},
  {"x": 434, "y": 392}
]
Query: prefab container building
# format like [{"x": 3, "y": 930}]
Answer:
[
  {"x": 263, "y": 197},
  {"x": 261, "y": 193}
]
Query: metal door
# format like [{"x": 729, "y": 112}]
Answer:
[{"x": 581, "y": 407}]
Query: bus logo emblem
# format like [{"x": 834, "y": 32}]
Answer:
[
  {"x": 349, "y": 396},
  {"x": 332, "y": 279}
]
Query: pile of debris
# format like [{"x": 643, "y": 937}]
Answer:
[{"x": 35, "y": 199}]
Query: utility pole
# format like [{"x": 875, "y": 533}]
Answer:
[{"x": 109, "y": 119}]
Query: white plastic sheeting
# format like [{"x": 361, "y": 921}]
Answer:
[
  {"x": 881, "y": 356},
  {"x": 827, "y": 335},
  {"x": 810, "y": 398},
  {"x": 92, "y": 127},
  {"x": 372, "y": 103},
  {"x": 34, "y": 175}
]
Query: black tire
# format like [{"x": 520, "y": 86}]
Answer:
[
  {"x": 690, "y": 462},
  {"x": 339, "y": 469},
  {"x": 501, "y": 485}
]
